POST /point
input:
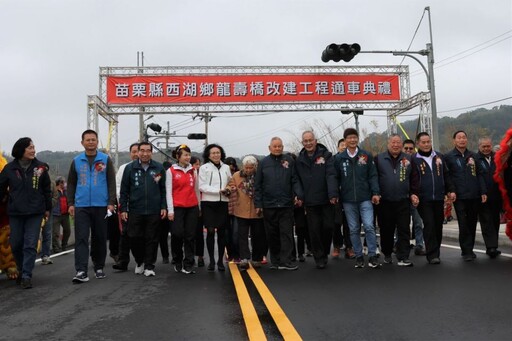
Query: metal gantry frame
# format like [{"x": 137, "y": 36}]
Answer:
[
  {"x": 97, "y": 104},
  {"x": 422, "y": 100}
]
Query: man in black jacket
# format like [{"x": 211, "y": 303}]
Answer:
[
  {"x": 429, "y": 185},
  {"x": 315, "y": 168},
  {"x": 466, "y": 175},
  {"x": 489, "y": 212},
  {"x": 276, "y": 189},
  {"x": 394, "y": 168}
]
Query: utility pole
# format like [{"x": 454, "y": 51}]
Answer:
[
  {"x": 140, "y": 63},
  {"x": 207, "y": 117},
  {"x": 433, "y": 103}
]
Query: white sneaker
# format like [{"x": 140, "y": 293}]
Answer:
[
  {"x": 149, "y": 272},
  {"x": 46, "y": 260},
  {"x": 139, "y": 269}
]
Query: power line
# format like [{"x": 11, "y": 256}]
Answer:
[
  {"x": 419, "y": 71},
  {"x": 414, "y": 35},
  {"x": 477, "y": 105}
]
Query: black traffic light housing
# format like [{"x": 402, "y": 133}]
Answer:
[
  {"x": 343, "y": 52},
  {"x": 196, "y": 136}
]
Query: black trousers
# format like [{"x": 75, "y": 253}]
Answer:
[
  {"x": 395, "y": 216},
  {"x": 143, "y": 230},
  {"x": 183, "y": 231},
  {"x": 279, "y": 230},
  {"x": 163, "y": 238},
  {"x": 258, "y": 238},
  {"x": 113, "y": 234},
  {"x": 301, "y": 230},
  {"x": 432, "y": 214},
  {"x": 467, "y": 214},
  {"x": 124, "y": 245},
  {"x": 489, "y": 216},
  {"x": 199, "y": 239},
  {"x": 90, "y": 222},
  {"x": 215, "y": 217},
  {"x": 320, "y": 225},
  {"x": 341, "y": 232}
]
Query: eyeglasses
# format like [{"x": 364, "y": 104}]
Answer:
[{"x": 408, "y": 148}]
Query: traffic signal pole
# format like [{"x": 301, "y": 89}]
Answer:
[{"x": 429, "y": 52}]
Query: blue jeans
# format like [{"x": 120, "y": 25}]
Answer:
[
  {"x": 355, "y": 212},
  {"x": 47, "y": 237},
  {"x": 23, "y": 239},
  {"x": 417, "y": 225}
]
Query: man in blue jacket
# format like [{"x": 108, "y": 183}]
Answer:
[
  {"x": 489, "y": 212},
  {"x": 315, "y": 168},
  {"x": 470, "y": 190},
  {"x": 91, "y": 198},
  {"x": 429, "y": 185},
  {"x": 359, "y": 189},
  {"x": 276, "y": 189},
  {"x": 143, "y": 205}
]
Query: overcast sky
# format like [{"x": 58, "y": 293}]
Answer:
[{"x": 50, "y": 52}]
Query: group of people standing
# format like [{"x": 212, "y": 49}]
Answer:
[{"x": 262, "y": 199}]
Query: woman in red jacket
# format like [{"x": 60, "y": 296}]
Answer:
[{"x": 182, "y": 194}]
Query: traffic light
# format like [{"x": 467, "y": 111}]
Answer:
[
  {"x": 196, "y": 136},
  {"x": 337, "y": 52}
]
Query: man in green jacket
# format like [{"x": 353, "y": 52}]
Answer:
[
  {"x": 143, "y": 204},
  {"x": 359, "y": 189}
]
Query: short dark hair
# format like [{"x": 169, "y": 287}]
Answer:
[
  {"x": 420, "y": 135},
  {"x": 59, "y": 180},
  {"x": 136, "y": 144},
  {"x": 89, "y": 131},
  {"x": 340, "y": 140},
  {"x": 206, "y": 152},
  {"x": 408, "y": 141},
  {"x": 176, "y": 153},
  {"x": 144, "y": 143},
  {"x": 459, "y": 131},
  {"x": 193, "y": 160},
  {"x": 350, "y": 131},
  {"x": 230, "y": 161},
  {"x": 19, "y": 147}
]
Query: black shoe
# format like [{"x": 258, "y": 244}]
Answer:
[
  {"x": 188, "y": 271},
  {"x": 419, "y": 250},
  {"x": 434, "y": 261},
  {"x": 302, "y": 259},
  {"x": 288, "y": 266},
  {"x": 373, "y": 262},
  {"x": 200, "y": 262},
  {"x": 26, "y": 283},
  {"x": 165, "y": 260},
  {"x": 467, "y": 258},
  {"x": 178, "y": 267},
  {"x": 320, "y": 266},
  {"x": 120, "y": 266},
  {"x": 491, "y": 252},
  {"x": 211, "y": 267},
  {"x": 220, "y": 266}
]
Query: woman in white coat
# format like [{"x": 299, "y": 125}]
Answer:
[{"x": 214, "y": 177}]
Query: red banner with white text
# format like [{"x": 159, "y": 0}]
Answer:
[{"x": 264, "y": 88}]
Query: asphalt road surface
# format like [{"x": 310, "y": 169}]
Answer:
[{"x": 451, "y": 301}]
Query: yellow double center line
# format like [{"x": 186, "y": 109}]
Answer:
[{"x": 252, "y": 322}]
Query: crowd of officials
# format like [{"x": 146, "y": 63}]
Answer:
[{"x": 251, "y": 212}]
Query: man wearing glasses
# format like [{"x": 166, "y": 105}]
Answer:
[
  {"x": 417, "y": 223},
  {"x": 143, "y": 205}
]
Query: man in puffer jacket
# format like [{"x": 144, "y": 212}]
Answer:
[{"x": 315, "y": 168}]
